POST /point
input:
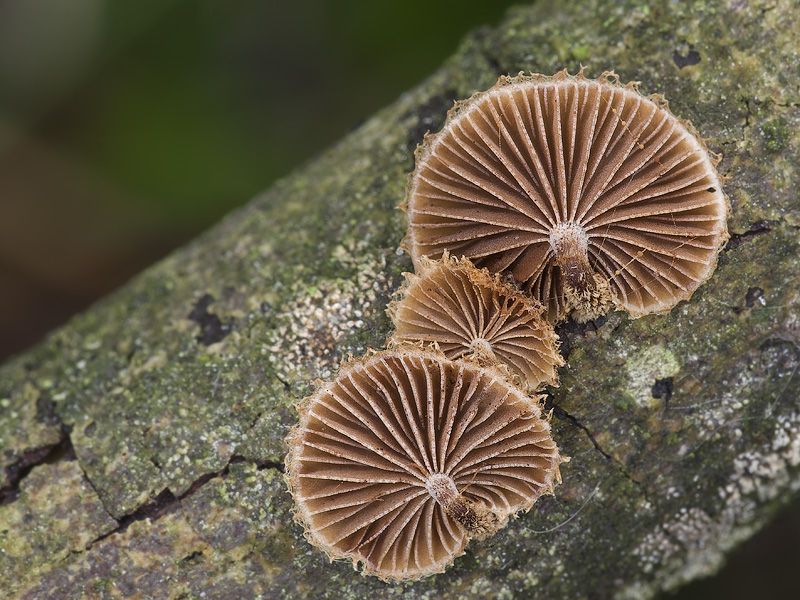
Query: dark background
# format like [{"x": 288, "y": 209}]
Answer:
[{"x": 128, "y": 127}]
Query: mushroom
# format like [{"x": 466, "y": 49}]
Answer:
[
  {"x": 586, "y": 192},
  {"x": 468, "y": 312},
  {"x": 406, "y": 455}
]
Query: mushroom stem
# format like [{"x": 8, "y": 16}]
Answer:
[
  {"x": 477, "y": 520},
  {"x": 482, "y": 351},
  {"x": 585, "y": 292},
  {"x": 570, "y": 243},
  {"x": 577, "y": 273}
]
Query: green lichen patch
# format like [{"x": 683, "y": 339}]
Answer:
[
  {"x": 118, "y": 467},
  {"x": 57, "y": 513},
  {"x": 245, "y": 511},
  {"x": 264, "y": 442},
  {"x": 776, "y": 134},
  {"x": 149, "y": 559},
  {"x": 27, "y": 424},
  {"x": 645, "y": 369}
]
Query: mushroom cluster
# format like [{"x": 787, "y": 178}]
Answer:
[
  {"x": 411, "y": 452},
  {"x": 542, "y": 198}
]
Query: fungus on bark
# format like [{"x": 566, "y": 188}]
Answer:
[
  {"x": 407, "y": 455},
  {"x": 586, "y": 192},
  {"x": 467, "y": 312}
]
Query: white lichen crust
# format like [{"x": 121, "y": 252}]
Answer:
[{"x": 404, "y": 457}]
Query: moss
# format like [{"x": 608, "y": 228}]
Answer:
[{"x": 776, "y": 134}]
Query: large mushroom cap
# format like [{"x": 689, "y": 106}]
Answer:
[
  {"x": 466, "y": 311},
  {"x": 585, "y": 191},
  {"x": 407, "y": 455}
]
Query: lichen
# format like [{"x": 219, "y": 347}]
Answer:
[
  {"x": 679, "y": 547},
  {"x": 645, "y": 367},
  {"x": 317, "y": 326},
  {"x": 56, "y": 515},
  {"x": 776, "y": 134}
]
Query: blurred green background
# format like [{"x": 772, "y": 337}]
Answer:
[{"x": 129, "y": 126}]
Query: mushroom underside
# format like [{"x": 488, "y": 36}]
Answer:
[
  {"x": 407, "y": 455},
  {"x": 559, "y": 182}
]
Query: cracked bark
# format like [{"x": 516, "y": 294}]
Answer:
[
  {"x": 176, "y": 392},
  {"x": 560, "y": 413},
  {"x": 24, "y": 464}
]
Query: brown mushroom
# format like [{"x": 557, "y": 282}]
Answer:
[
  {"x": 407, "y": 455},
  {"x": 468, "y": 312},
  {"x": 584, "y": 191}
]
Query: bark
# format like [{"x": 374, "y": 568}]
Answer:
[{"x": 142, "y": 444}]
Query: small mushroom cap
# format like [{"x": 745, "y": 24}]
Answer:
[
  {"x": 406, "y": 455},
  {"x": 538, "y": 165},
  {"x": 468, "y": 312}
]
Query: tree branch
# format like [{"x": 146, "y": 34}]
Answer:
[{"x": 176, "y": 392}]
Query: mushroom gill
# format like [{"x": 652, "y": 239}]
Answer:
[
  {"x": 468, "y": 312},
  {"x": 407, "y": 455},
  {"x": 586, "y": 192}
]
